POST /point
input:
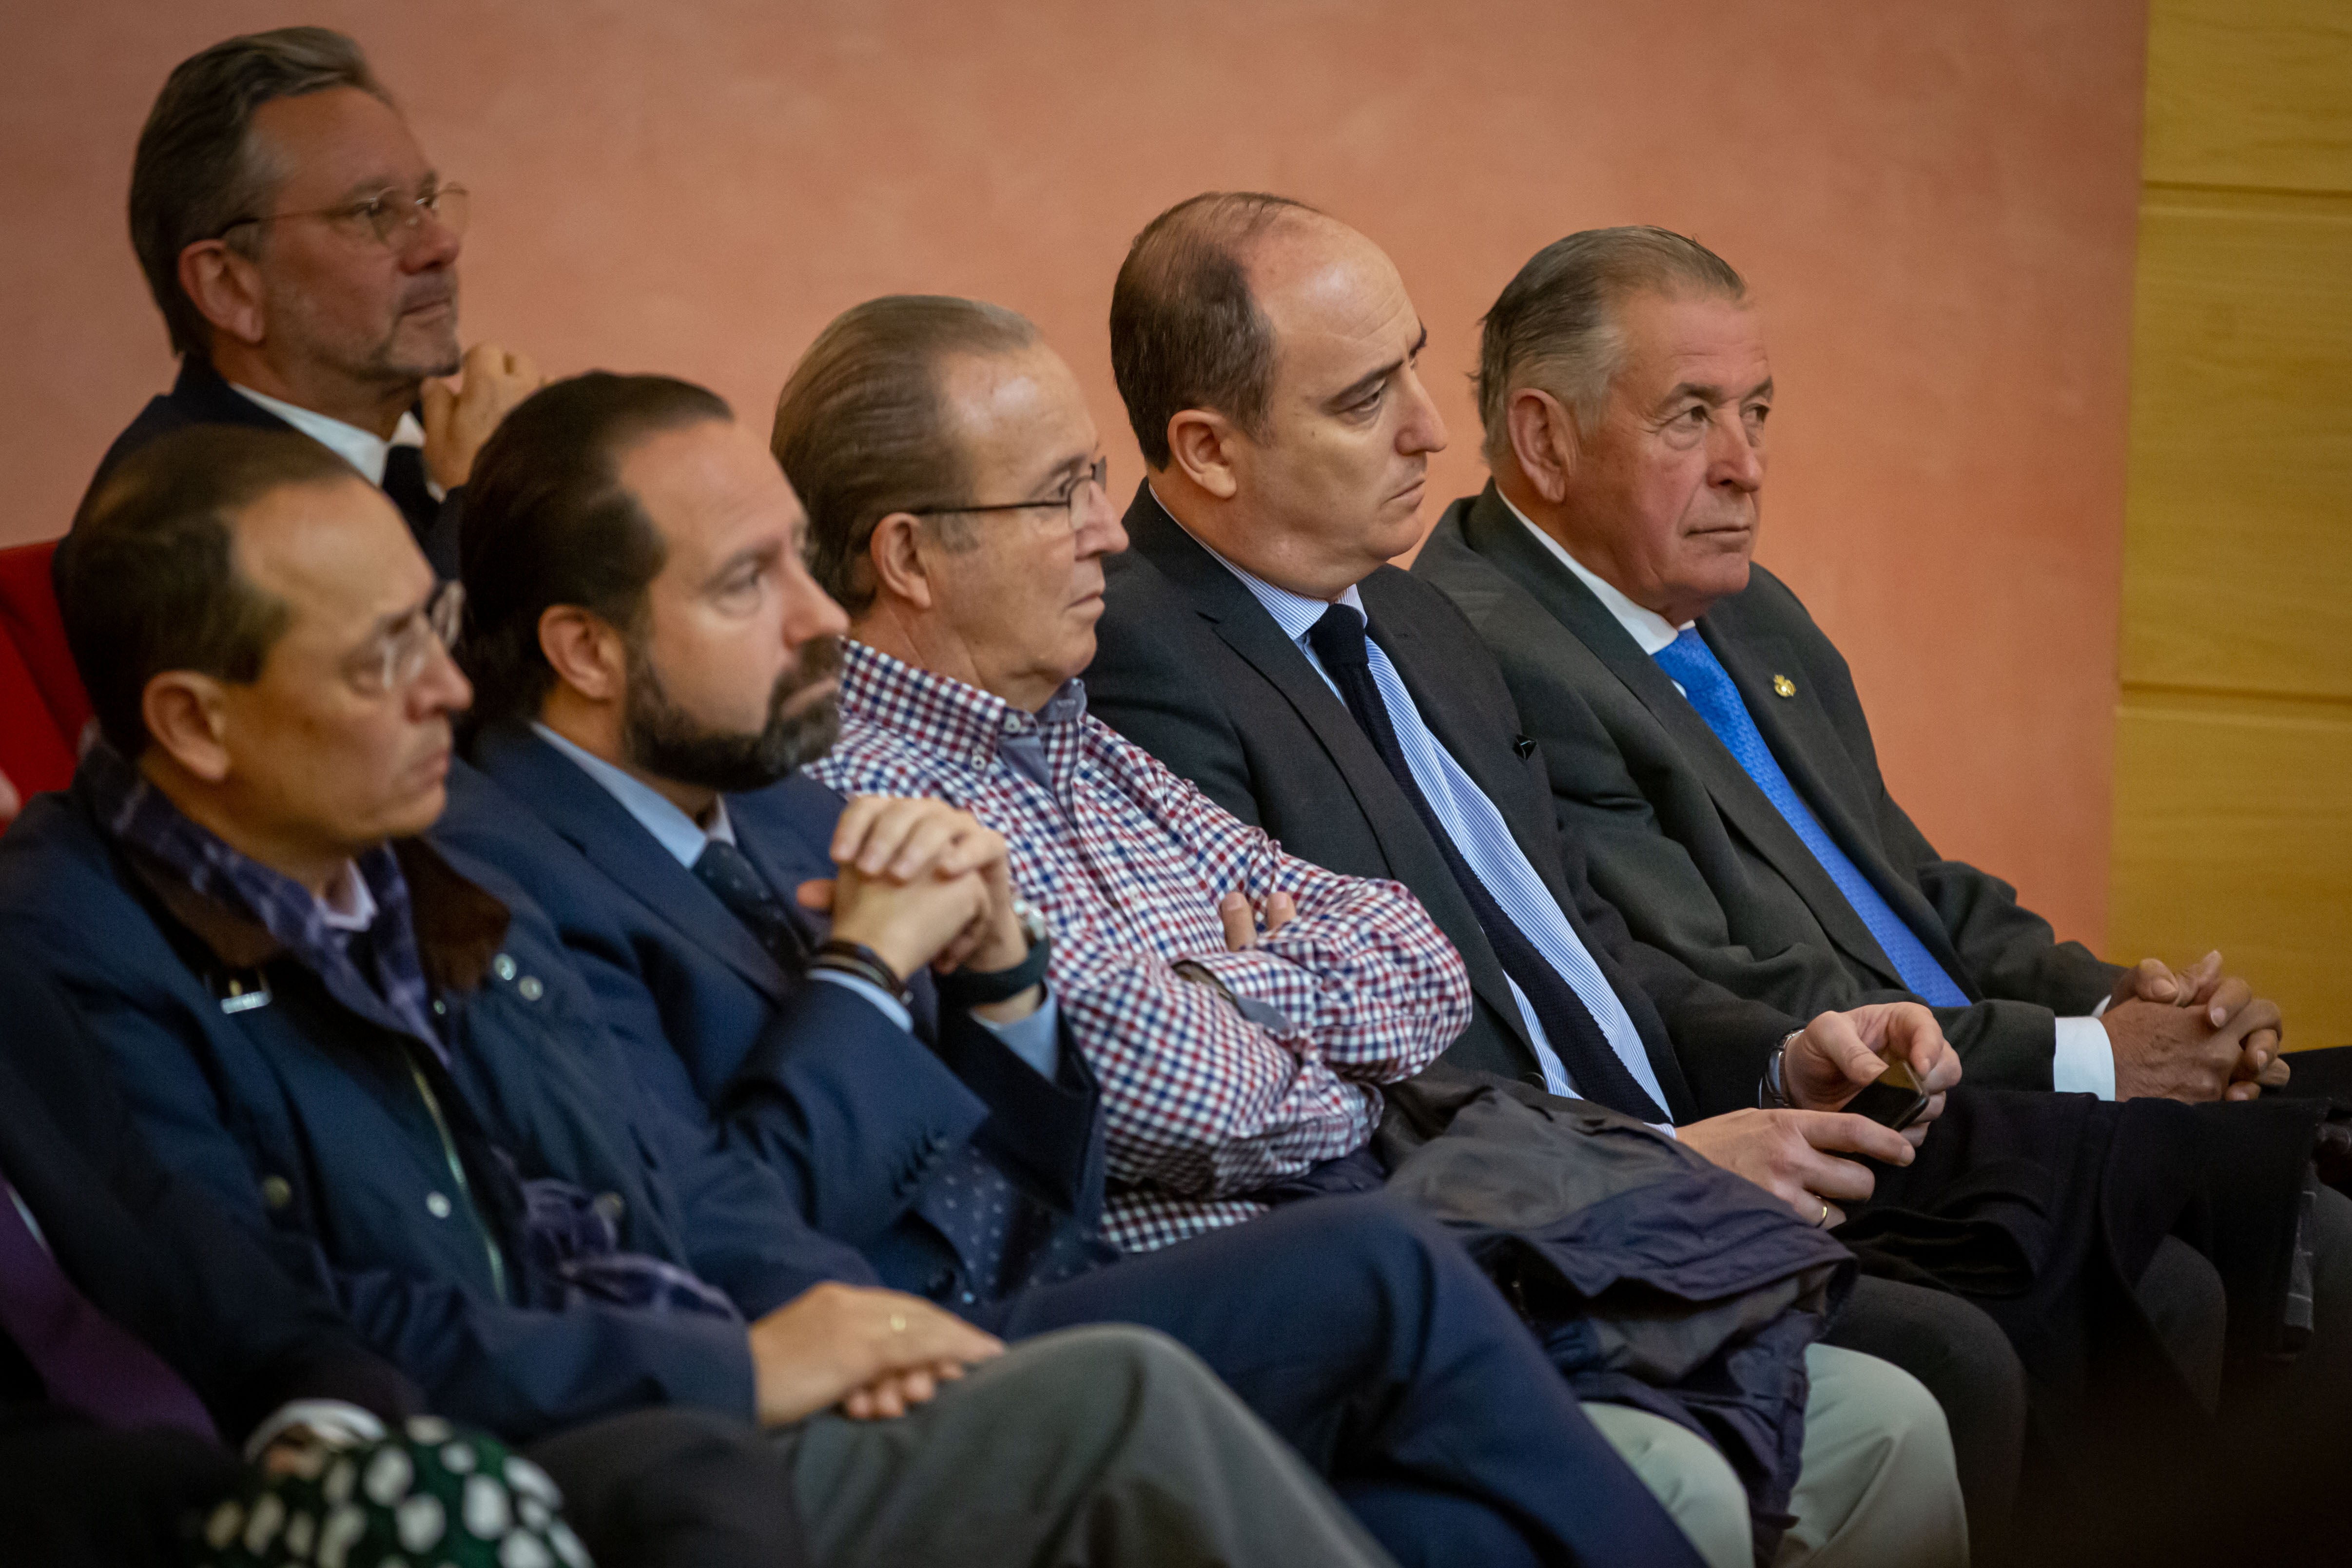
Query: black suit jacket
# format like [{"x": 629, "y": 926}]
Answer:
[
  {"x": 1192, "y": 667},
  {"x": 200, "y": 397},
  {"x": 1685, "y": 845},
  {"x": 152, "y": 1252}
]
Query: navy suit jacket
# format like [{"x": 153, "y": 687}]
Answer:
[
  {"x": 855, "y": 1113},
  {"x": 200, "y": 397}
]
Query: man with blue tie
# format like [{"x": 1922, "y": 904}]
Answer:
[
  {"x": 1709, "y": 755},
  {"x": 1705, "y": 744}
]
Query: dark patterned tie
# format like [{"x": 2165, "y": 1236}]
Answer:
[
  {"x": 729, "y": 872},
  {"x": 89, "y": 1361},
  {"x": 1600, "y": 1074}
]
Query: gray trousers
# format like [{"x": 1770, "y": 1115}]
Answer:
[
  {"x": 1877, "y": 1491},
  {"x": 1105, "y": 1444}
]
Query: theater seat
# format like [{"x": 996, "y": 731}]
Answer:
[{"x": 42, "y": 706}]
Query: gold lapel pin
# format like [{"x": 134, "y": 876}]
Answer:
[{"x": 1784, "y": 685}]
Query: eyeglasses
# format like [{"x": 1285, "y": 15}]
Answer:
[
  {"x": 398, "y": 656},
  {"x": 1072, "y": 502},
  {"x": 389, "y": 216}
]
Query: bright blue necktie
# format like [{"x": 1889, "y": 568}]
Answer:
[{"x": 1693, "y": 663}]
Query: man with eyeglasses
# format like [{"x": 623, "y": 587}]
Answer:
[{"x": 304, "y": 255}]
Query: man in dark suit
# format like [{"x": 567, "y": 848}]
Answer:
[
  {"x": 304, "y": 256},
  {"x": 1706, "y": 748}
]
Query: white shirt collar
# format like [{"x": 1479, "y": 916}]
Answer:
[
  {"x": 363, "y": 449},
  {"x": 348, "y": 904},
  {"x": 672, "y": 828},
  {"x": 1294, "y": 613},
  {"x": 1649, "y": 630}
]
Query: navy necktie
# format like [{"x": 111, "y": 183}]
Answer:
[
  {"x": 1704, "y": 682},
  {"x": 1599, "y": 1073},
  {"x": 89, "y": 1362},
  {"x": 729, "y": 872}
]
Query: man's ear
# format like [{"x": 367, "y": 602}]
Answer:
[
  {"x": 1543, "y": 439},
  {"x": 585, "y": 650},
  {"x": 186, "y": 719},
  {"x": 226, "y": 287},
  {"x": 1201, "y": 443},
  {"x": 896, "y": 557}
]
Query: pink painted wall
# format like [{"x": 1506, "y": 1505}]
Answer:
[{"x": 1935, "y": 204}]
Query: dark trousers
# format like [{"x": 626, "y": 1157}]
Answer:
[
  {"x": 1366, "y": 1337},
  {"x": 659, "y": 1488}
]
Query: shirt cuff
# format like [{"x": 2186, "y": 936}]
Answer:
[
  {"x": 888, "y": 1006},
  {"x": 2082, "y": 1062},
  {"x": 338, "y": 1422},
  {"x": 1035, "y": 1040}
]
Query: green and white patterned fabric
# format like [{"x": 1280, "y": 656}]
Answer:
[{"x": 428, "y": 1496}]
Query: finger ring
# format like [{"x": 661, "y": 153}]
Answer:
[
  {"x": 1823, "y": 1222},
  {"x": 899, "y": 1321}
]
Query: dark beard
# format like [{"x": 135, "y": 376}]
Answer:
[{"x": 660, "y": 738}]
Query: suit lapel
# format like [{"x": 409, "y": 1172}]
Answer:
[
  {"x": 1244, "y": 625},
  {"x": 201, "y": 395},
  {"x": 586, "y": 816},
  {"x": 1808, "y": 748},
  {"x": 1491, "y": 530}
]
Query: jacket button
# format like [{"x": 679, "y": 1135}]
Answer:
[
  {"x": 277, "y": 1192},
  {"x": 440, "y": 1008},
  {"x": 436, "y": 1206},
  {"x": 611, "y": 1204},
  {"x": 503, "y": 967},
  {"x": 529, "y": 988}
]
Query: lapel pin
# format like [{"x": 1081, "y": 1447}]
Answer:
[{"x": 1784, "y": 685}]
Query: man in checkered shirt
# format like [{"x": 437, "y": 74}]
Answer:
[{"x": 1242, "y": 1007}]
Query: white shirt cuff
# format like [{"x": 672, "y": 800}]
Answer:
[
  {"x": 888, "y": 1006},
  {"x": 332, "y": 1419},
  {"x": 2082, "y": 1062}
]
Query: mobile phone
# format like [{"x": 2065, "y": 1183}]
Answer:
[{"x": 1894, "y": 1099}]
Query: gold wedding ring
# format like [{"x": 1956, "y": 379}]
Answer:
[
  {"x": 898, "y": 1322},
  {"x": 1821, "y": 1224}
]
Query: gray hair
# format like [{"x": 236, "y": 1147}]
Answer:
[
  {"x": 196, "y": 172},
  {"x": 1555, "y": 325}
]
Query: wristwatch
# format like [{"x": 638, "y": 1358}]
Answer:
[
  {"x": 968, "y": 989},
  {"x": 1771, "y": 1093}
]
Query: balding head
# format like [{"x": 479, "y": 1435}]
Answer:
[{"x": 1185, "y": 327}]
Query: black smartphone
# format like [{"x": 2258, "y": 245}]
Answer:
[{"x": 1894, "y": 1099}]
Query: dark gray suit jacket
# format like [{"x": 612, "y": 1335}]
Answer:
[
  {"x": 1685, "y": 845},
  {"x": 1191, "y": 667}
]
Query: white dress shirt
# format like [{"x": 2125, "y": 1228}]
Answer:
[
  {"x": 363, "y": 449},
  {"x": 1035, "y": 1040},
  {"x": 2082, "y": 1060}
]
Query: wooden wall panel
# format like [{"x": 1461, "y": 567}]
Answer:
[
  {"x": 2250, "y": 93},
  {"x": 2232, "y": 831},
  {"x": 2236, "y": 571},
  {"x": 2234, "y": 744}
]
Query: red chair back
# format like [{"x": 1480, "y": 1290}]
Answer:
[{"x": 42, "y": 704}]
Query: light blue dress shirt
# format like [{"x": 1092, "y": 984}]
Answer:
[
  {"x": 1035, "y": 1040},
  {"x": 1484, "y": 839}
]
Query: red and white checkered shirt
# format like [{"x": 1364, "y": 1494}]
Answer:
[{"x": 1206, "y": 1097}]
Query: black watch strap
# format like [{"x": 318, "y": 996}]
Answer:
[
  {"x": 965, "y": 988},
  {"x": 856, "y": 959}
]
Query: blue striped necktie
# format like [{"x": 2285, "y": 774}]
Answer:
[{"x": 1693, "y": 664}]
